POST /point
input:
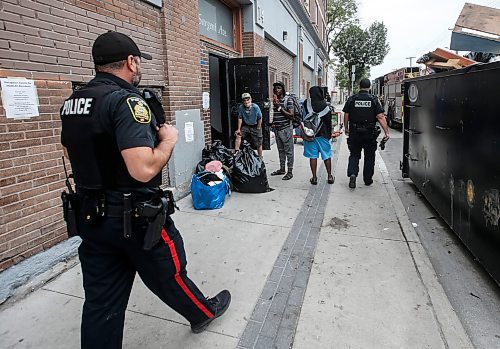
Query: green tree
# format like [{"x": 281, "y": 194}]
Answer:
[
  {"x": 343, "y": 74},
  {"x": 339, "y": 15},
  {"x": 362, "y": 48}
]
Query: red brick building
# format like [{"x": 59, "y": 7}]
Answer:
[{"x": 49, "y": 42}]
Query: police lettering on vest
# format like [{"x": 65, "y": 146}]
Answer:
[
  {"x": 78, "y": 106},
  {"x": 363, "y": 108},
  {"x": 99, "y": 120}
]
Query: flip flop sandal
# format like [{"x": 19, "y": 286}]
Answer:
[
  {"x": 314, "y": 180},
  {"x": 331, "y": 179},
  {"x": 278, "y": 173}
]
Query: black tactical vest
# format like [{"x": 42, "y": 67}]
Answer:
[
  {"x": 363, "y": 108},
  {"x": 88, "y": 135}
]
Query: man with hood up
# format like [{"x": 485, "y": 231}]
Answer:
[
  {"x": 320, "y": 143},
  {"x": 282, "y": 123}
]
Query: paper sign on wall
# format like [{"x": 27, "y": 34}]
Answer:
[
  {"x": 19, "y": 98},
  {"x": 189, "y": 131},
  {"x": 206, "y": 100}
]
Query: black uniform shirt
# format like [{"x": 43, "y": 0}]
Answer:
[
  {"x": 363, "y": 108},
  {"x": 118, "y": 118}
]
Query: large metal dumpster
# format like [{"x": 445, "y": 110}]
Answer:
[{"x": 452, "y": 153}]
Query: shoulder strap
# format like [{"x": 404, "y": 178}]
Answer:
[{"x": 310, "y": 110}]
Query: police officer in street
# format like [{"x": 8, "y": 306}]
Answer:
[
  {"x": 117, "y": 150},
  {"x": 361, "y": 113}
]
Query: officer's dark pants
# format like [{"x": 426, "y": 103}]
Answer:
[
  {"x": 368, "y": 144},
  {"x": 109, "y": 263}
]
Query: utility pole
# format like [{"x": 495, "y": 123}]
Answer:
[
  {"x": 410, "y": 58},
  {"x": 411, "y": 70},
  {"x": 353, "y": 77}
]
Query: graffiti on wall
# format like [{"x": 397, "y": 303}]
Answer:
[{"x": 491, "y": 207}]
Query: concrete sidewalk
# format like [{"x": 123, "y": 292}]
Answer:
[{"x": 309, "y": 266}]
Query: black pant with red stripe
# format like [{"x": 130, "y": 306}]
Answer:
[{"x": 109, "y": 263}]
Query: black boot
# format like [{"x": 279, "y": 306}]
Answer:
[
  {"x": 352, "y": 181},
  {"x": 220, "y": 303}
]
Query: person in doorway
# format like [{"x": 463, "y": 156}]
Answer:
[
  {"x": 249, "y": 124},
  {"x": 361, "y": 113},
  {"x": 320, "y": 143},
  {"x": 117, "y": 151},
  {"x": 282, "y": 124}
]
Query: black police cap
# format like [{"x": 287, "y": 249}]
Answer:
[{"x": 113, "y": 47}]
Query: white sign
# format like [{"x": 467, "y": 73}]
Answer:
[
  {"x": 189, "y": 132},
  {"x": 206, "y": 100},
  {"x": 19, "y": 98},
  {"x": 362, "y": 104},
  {"x": 413, "y": 93}
]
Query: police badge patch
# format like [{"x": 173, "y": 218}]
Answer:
[{"x": 140, "y": 110}]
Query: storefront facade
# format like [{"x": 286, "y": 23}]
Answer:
[{"x": 194, "y": 44}]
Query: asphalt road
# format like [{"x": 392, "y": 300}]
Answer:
[{"x": 474, "y": 295}]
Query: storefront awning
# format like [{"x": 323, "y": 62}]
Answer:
[{"x": 477, "y": 29}]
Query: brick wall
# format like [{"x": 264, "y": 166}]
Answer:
[
  {"x": 182, "y": 50},
  {"x": 253, "y": 45},
  {"x": 50, "y": 41},
  {"x": 280, "y": 61}
]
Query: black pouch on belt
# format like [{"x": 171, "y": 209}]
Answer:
[
  {"x": 69, "y": 203},
  {"x": 93, "y": 207}
]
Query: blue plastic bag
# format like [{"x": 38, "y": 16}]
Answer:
[{"x": 206, "y": 197}]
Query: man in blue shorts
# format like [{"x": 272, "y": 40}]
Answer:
[
  {"x": 249, "y": 124},
  {"x": 320, "y": 143}
]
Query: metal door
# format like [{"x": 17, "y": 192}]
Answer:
[{"x": 249, "y": 74}]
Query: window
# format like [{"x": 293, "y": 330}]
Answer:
[
  {"x": 220, "y": 22},
  {"x": 272, "y": 78},
  {"x": 286, "y": 81},
  {"x": 154, "y": 2}
]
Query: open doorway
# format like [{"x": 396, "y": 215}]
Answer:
[
  {"x": 219, "y": 105},
  {"x": 229, "y": 78}
]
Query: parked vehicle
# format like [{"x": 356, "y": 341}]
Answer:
[{"x": 390, "y": 90}]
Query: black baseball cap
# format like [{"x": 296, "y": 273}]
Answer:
[
  {"x": 113, "y": 47},
  {"x": 279, "y": 83}
]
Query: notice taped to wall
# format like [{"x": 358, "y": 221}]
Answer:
[
  {"x": 189, "y": 132},
  {"x": 19, "y": 98}
]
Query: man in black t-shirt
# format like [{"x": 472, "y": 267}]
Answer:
[
  {"x": 282, "y": 124},
  {"x": 117, "y": 151},
  {"x": 361, "y": 113}
]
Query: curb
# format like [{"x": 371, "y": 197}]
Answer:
[{"x": 451, "y": 330}]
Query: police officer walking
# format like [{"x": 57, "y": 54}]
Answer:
[
  {"x": 117, "y": 150},
  {"x": 361, "y": 113}
]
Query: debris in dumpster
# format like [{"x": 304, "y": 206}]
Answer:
[{"x": 441, "y": 60}]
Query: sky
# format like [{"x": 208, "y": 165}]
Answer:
[{"x": 414, "y": 27}]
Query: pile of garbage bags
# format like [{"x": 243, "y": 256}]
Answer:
[{"x": 220, "y": 170}]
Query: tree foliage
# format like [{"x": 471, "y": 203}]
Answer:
[
  {"x": 340, "y": 15},
  {"x": 362, "y": 48},
  {"x": 343, "y": 74}
]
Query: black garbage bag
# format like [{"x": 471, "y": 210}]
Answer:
[
  {"x": 249, "y": 171},
  {"x": 201, "y": 165},
  {"x": 219, "y": 152}
]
